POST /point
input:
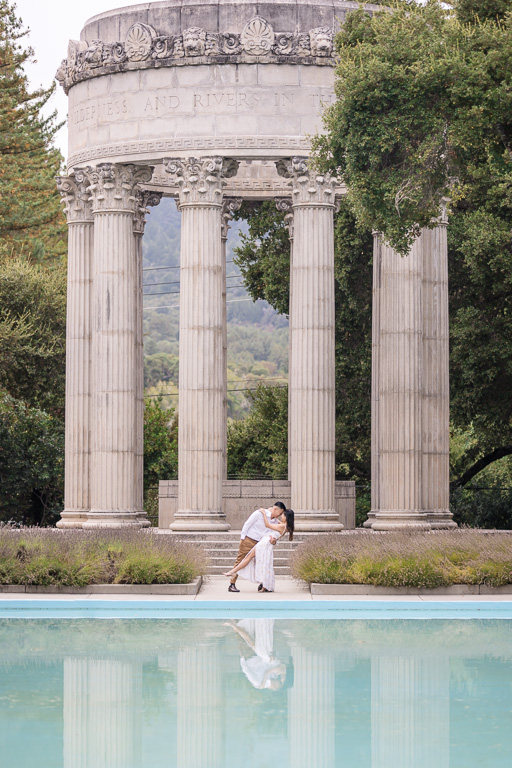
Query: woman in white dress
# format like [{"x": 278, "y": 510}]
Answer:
[{"x": 258, "y": 564}]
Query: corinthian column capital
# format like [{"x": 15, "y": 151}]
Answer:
[
  {"x": 145, "y": 198},
  {"x": 285, "y": 205},
  {"x": 114, "y": 187},
  {"x": 75, "y": 195},
  {"x": 200, "y": 180},
  {"x": 309, "y": 187},
  {"x": 230, "y": 205}
]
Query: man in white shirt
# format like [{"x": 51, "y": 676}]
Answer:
[{"x": 253, "y": 530}]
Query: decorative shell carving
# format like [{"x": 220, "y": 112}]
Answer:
[
  {"x": 139, "y": 41},
  {"x": 257, "y": 37},
  {"x": 142, "y": 44}
]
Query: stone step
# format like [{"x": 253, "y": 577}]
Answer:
[{"x": 279, "y": 570}]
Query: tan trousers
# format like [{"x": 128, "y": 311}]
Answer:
[{"x": 245, "y": 547}]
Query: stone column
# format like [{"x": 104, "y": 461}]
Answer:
[
  {"x": 311, "y": 714},
  {"x": 145, "y": 199},
  {"x": 116, "y": 467},
  {"x": 410, "y": 408},
  {"x": 75, "y": 195},
  {"x": 398, "y": 389},
  {"x": 229, "y": 206},
  {"x": 436, "y": 381},
  {"x": 311, "y": 378},
  {"x": 202, "y": 424},
  {"x": 284, "y": 205}
]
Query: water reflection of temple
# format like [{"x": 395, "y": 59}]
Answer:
[{"x": 371, "y": 694}]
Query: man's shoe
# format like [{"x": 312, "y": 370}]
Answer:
[
  {"x": 260, "y": 587},
  {"x": 232, "y": 588}
]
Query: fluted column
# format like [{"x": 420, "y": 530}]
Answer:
[
  {"x": 436, "y": 383},
  {"x": 410, "y": 386},
  {"x": 75, "y": 196},
  {"x": 284, "y": 205},
  {"x": 375, "y": 386},
  {"x": 200, "y": 708},
  {"x": 311, "y": 378},
  {"x": 202, "y": 426},
  {"x": 399, "y": 389},
  {"x": 410, "y": 711},
  {"x": 102, "y": 702},
  {"x": 311, "y": 713},
  {"x": 116, "y": 466},
  {"x": 229, "y": 206}
]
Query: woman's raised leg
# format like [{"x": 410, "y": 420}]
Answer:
[{"x": 247, "y": 559}]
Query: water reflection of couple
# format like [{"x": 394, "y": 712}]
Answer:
[
  {"x": 263, "y": 670},
  {"x": 256, "y": 546}
]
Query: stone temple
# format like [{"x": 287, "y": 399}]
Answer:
[{"x": 213, "y": 102}]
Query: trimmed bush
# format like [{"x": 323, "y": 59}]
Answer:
[
  {"x": 75, "y": 558},
  {"x": 403, "y": 559}
]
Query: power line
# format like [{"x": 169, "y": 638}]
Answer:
[
  {"x": 153, "y": 269},
  {"x": 233, "y": 389},
  {"x": 176, "y": 306},
  {"x": 168, "y": 293}
]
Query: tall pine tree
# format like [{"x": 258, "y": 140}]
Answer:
[{"x": 31, "y": 220}]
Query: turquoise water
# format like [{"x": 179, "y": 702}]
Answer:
[{"x": 255, "y": 692}]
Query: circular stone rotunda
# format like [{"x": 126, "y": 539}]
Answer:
[{"x": 212, "y": 103}]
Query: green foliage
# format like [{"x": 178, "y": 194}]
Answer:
[
  {"x": 79, "y": 558},
  {"x": 33, "y": 333},
  {"x": 264, "y": 260},
  {"x": 160, "y": 367},
  {"x": 422, "y": 111},
  {"x": 31, "y": 463},
  {"x": 419, "y": 560},
  {"x": 258, "y": 445},
  {"x": 31, "y": 220},
  {"x": 160, "y": 444},
  {"x": 264, "y": 255}
]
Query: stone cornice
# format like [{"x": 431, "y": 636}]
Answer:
[
  {"x": 200, "y": 180},
  {"x": 74, "y": 192},
  {"x": 308, "y": 186},
  {"x": 115, "y": 187},
  {"x": 143, "y": 48}
]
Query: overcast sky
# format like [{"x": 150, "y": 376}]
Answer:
[{"x": 52, "y": 23}]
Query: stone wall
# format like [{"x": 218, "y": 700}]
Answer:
[{"x": 241, "y": 497}]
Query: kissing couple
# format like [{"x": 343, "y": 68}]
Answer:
[{"x": 255, "y": 561}]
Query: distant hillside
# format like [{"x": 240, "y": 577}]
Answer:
[{"x": 257, "y": 335}]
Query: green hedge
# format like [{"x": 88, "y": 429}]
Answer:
[
  {"x": 75, "y": 558},
  {"x": 431, "y": 559}
]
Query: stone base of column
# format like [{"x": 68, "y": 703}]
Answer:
[
  {"x": 394, "y": 520},
  {"x": 370, "y": 520},
  {"x": 441, "y": 519},
  {"x": 317, "y": 521},
  {"x": 99, "y": 519},
  {"x": 72, "y": 518},
  {"x": 188, "y": 520}
]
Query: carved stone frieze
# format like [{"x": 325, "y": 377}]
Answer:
[
  {"x": 145, "y": 198},
  {"x": 114, "y": 187},
  {"x": 230, "y": 205},
  {"x": 200, "y": 180},
  {"x": 143, "y": 47},
  {"x": 74, "y": 192},
  {"x": 309, "y": 187}
]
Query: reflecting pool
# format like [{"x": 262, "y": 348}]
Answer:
[{"x": 255, "y": 692}]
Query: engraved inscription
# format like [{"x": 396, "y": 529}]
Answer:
[{"x": 98, "y": 110}]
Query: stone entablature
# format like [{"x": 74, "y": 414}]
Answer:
[{"x": 144, "y": 48}]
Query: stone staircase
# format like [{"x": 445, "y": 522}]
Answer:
[{"x": 222, "y": 549}]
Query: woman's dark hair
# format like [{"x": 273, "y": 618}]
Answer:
[{"x": 290, "y": 521}]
